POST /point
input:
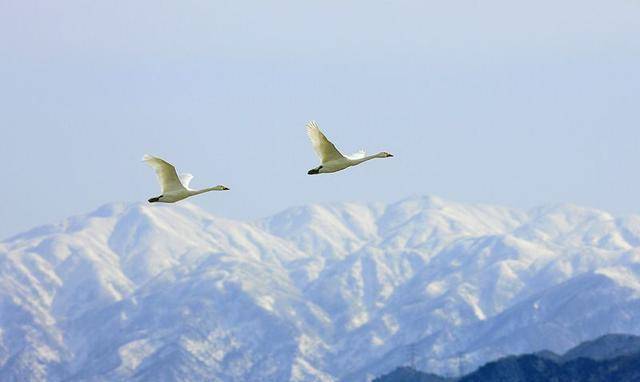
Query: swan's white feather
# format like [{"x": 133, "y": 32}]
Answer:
[
  {"x": 323, "y": 147},
  {"x": 357, "y": 155},
  {"x": 185, "y": 179},
  {"x": 166, "y": 173}
]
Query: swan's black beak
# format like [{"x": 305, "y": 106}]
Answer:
[
  {"x": 225, "y": 188},
  {"x": 153, "y": 200},
  {"x": 390, "y": 155},
  {"x": 313, "y": 171}
]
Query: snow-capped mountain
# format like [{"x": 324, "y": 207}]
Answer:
[{"x": 348, "y": 291}]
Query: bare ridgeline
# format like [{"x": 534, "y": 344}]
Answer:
[{"x": 613, "y": 357}]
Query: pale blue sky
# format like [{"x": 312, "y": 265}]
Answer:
[{"x": 508, "y": 102}]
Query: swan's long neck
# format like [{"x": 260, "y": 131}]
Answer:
[
  {"x": 202, "y": 191},
  {"x": 358, "y": 161}
]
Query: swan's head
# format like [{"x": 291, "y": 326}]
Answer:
[
  {"x": 385, "y": 154},
  {"x": 221, "y": 188}
]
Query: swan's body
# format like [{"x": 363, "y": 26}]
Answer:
[
  {"x": 330, "y": 158},
  {"x": 174, "y": 188}
]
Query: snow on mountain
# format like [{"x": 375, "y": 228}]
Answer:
[{"x": 333, "y": 292}]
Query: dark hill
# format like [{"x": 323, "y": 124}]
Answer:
[{"x": 608, "y": 358}]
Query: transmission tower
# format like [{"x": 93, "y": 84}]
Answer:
[{"x": 412, "y": 356}]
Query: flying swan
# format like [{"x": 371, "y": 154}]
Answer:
[
  {"x": 330, "y": 158},
  {"x": 174, "y": 187}
]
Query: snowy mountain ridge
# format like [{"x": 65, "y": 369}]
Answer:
[{"x": 330, "y": 292}]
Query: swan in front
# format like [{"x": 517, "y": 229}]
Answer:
[
  {"x": 331, "y": 160},
  {"x": 174, "y": 187}
]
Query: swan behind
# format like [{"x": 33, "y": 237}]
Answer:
[{"x": 330, "y": 158}]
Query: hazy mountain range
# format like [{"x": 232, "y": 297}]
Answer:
[{"x": 346, "y": 291}]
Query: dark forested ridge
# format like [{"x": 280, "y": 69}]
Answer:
[
  {"x": 408, "y": 374},
  {"x": 608, "y": 358}
]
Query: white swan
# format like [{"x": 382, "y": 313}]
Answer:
[
  {"x": 330, "y": 158},
  {"x": 174, "y": 187}
]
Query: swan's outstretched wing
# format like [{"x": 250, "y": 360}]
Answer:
[
  {"x": 325, "y": 149},
  {"x": 185, "y": 179},
  {"x": 357, "y": 155},
  {"x": 167, "y": 176}
]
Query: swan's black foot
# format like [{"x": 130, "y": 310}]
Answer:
[
  {"x": 314, "y": 171},
  {"x": 153, "y": 200}
]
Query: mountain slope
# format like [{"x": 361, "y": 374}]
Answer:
[
  {"x": 607, "y": 358},
  {"x": 605, "y": 347},
  {"x": 314, "y": 293}
]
